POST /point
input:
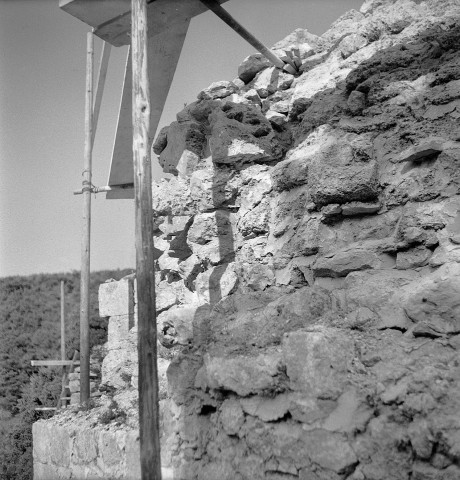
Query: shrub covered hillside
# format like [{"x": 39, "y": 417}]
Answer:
[
  {"x": 30, "y": 329},
  {"x": 30, "y": 324}
]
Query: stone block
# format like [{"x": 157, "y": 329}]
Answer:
[
  {"x": 74, "y": 386},
  {"x": 271, "y": 80},
  {"x": 356, "y": 102},
  {"x": 275, "y": 118},
  {"x": 267, "y": 409},
  {"x": 60, "y": 445},
  {"x": 216, "y": 90},
  {"x": 425, "y": 148},
  {"x": 413, "y": 258},
  {"x": 85, "y": 450},
  {"x": 251, "y": 66},
  {"x": 434, "y": 300},
  {"x": 170, "y": 294},
  {"x": 116, "y": 298},
  {"x": 291, "y": 172},
  {"x": 216, "y": 283},
  {"x": 253, "y": 96},
  {"x": 236, "y": 143},
  {"x": 379, "y": 292},
  {"x": 317, "y": 361},
  {"x": 213, "y": 187},
  {"x": 330, "y": 450},
  {"x": 231, "y": 416},
  {"x": 244, "y": 375},
  {"x": 359, "y": 208},
  {"x": 350, "y": 260},
  {"x": 342, "y": 170},
  {"x": 110, "y": 449},
  {"x": 212, "y": 236},
  {"x": 51, "y": 472},
  {"x": 175, "y": 326},
  {"x": 174, "y": 225},
  {"x": 118, "y": 330},
  {"x": 41, "y": 444},
  {"x": 118, "y": 366}
]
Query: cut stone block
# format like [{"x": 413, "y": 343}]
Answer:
[{"x": 116, "y": 298}]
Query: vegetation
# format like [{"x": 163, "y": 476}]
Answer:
[{"x": 30, "y": 329}]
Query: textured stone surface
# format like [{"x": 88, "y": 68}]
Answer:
[
  {"x": 308, "y": 252},
  {"x": 251, "y": 66},
  {"x": 116, "y": 298}
]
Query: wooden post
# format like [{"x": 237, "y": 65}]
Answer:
[
  {"x": 86, "y": 231},
  {"x": 62, "y": 322},
  {"x": 62, "y": 401},
  {"x": 147, "y": 333}
]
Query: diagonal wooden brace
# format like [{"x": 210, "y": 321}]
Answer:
[{"x": 215, "y": 7}]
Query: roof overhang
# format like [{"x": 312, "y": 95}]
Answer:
[{"x": 111, "y": 19}]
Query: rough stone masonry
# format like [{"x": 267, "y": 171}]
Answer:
[{"x": 308, "y": 246}]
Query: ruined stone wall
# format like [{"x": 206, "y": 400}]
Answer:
[
  {"x": 311, "y": 250},
  {"x": 308, "y": 253}
]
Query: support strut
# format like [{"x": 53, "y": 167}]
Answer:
[{"x": 215, "y": 7}]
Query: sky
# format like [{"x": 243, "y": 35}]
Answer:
[{"x": 42, "y": 99}]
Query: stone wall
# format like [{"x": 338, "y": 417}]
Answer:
[
  {"x": 83, "y": 451},
  {"x": 101, "y": 439},
  {"x": 308, "y": 253},
  {"x": 310, "y": 257}
]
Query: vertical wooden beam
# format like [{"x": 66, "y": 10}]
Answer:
[
  {"x": 86, "y": 230},
  {"x": 64, "y": 368},
  {"x": 62, "y": 321},
  {"x": 147, "y": 333}
]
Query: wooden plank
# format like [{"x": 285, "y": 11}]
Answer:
[
  {"x": 100, "y": 82},
  {"x": 164, "y": 54},
  {"x": 86, "y": 228},
  {"x": 111, "y": 19},
  {"x": 95, "y": 13},
  {"x": 53, "y": 363},
  {"x": 145, "y": 274}
]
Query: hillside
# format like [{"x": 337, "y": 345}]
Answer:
[
  {"x": 30, "y": 329},
  {"x": 30, "y": 324}
]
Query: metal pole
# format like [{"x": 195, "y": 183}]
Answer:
[
  {"x": 147, "y": 332},
  {"x": 248, "y": 36},
  {"x": 86, "y": 230}
]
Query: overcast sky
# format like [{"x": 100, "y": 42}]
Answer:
[{"x": 42, "y": 95}]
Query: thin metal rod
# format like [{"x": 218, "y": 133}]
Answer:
[
  {"x": 215, "y": 7},
  {"x": 86, "y": 230},
  {"x": 101, "y": 75},
  {"x": 145, "y": 274}
]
